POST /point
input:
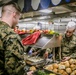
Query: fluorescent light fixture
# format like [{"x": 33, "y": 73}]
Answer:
[
  {"x": 60, "y": 24},
  {"x": 46, "y": 11},
  {"x": 28, "y": 19},
  {"x": 44, "y": 17},
  {"x": 44, "y": 22}
]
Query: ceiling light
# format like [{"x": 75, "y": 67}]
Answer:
[
  {"x": 45, "y": 11},
  {"x": 44, "y": 17},
  {"x": 28, "y": 19}
]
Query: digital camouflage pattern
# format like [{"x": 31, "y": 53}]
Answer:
[
  {"x": 11, "y": 51},
  {"x": 69, "y": 46}
]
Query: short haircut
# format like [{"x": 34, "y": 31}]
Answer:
[
  {"x": 71, "y": 25},
  {"x": 14, "y": 4}
]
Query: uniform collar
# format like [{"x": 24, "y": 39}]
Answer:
[
  {"x": 68, "y": 38},
  {"x": 4, "y": 23}
]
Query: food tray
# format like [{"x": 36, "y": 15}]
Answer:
[{"x": 34, "y": 61}]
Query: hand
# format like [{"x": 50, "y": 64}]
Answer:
[
  {"x": 35, "y": 53},
  {"x": 30, "y": 73},
  {"x": 65, "y": 58},
  {"x": 45, "y": 55}
]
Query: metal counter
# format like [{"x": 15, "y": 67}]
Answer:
[{"x": 48, "y": 41}]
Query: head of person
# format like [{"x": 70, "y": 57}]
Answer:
[
  {"x": 70, "y": 28},
  {"x": 51, "y": 22},
  {"x": 11, "y": 13},
  {"x": 16, "y": 28}
]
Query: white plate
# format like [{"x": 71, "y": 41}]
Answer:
[
  {"x": 35, "y": 4},
  {"x": 55, "y": 2}
]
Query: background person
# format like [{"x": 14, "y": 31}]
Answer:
[
  {"x": 37, "y": 27},
  {"x": 16, "y": 29},
  {"x": 51, "y": 26}
]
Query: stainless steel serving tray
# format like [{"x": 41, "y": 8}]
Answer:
[{"x": 34, "y": 60}]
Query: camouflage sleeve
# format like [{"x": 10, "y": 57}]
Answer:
[
  {"x": 73, "y": 55},
  {"x": 73, "y": 44},
  {"x": 49, "y": 50},
  {"x": 13, "y": 55},
  {"x": 69, "y": 49}
]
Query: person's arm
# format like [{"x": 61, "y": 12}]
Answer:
[
  {"x": 73, "y": 55},
  {"x": 64, "y": 57},
  {"x": 72, "y": 48},
  {"x": 13, "y": 55}
]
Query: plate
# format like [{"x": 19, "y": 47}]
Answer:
[
  {"x": 35, "y": 4},
  {"x": 56, "y": 2}
]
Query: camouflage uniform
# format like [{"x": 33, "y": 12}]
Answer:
[
  {"x": 11, "y": 51},
  {"x": 69, "y": 46}
]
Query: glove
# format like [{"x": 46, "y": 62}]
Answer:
[
  {"x": 50, "y": 55},
  {"x": 30, "y": 52}
]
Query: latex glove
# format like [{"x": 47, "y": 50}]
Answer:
[
  {"x": 65, "y": 58},
  {"x": 30, "y": 52}
]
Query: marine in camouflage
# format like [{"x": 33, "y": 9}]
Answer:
[
  {"x": 11, "y": 51},
  {"x": 69, "y": 46}
]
